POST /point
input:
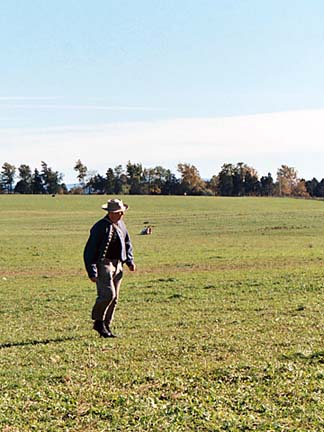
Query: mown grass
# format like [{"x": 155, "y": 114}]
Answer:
[{"x": 221, "y": 326}]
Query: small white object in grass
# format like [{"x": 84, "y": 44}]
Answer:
[{"x": 4, "y": 278}]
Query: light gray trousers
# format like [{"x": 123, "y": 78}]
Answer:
[{"x": 110, "y": 274}]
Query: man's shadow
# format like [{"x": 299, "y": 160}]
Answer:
[{"x": 38, "y": 342}]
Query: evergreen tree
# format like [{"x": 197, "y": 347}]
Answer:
[
  {"x": 51, "y": 179},
  {"x": 82, "y": 170},
  {"x": 98, "y": 184},
  {"x": 267, "y": 185},
  {"x": 213, "y": 184},
  {"x": 157, "y": 180},
  {"x": 37, "y": 185},
  {"x": 312, "y": 186},
  {"x": 135, "y": 176},
  {"x": 320, "y": 189},
  {"x": 7, "y": 177},
  {"x": 24, "y": 185},
  {"x": 239, "y": 179},
  {"x": 171, "y": 185},
  {"x": 252, "y": 185},
  {"x": 110, "y": 181},
  {"x": 121, "y": 181},
  {"x": 225, "y": 180}
]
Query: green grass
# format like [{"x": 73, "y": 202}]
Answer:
[{"x": 221, "y": 326}]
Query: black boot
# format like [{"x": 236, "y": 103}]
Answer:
[
  {"x": 110, "y": 333},
  {"x": 100, "y": 327}
]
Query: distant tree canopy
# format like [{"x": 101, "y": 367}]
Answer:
[
  {"x": 237, "y": 180},
  {"x": 47, "y": 181}
]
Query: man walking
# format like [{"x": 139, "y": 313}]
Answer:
[{"x": 107, "y": 249}]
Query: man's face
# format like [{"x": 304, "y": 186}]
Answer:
[{"x": 115, "y": 216}]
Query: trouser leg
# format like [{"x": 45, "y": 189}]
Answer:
[
  {"x": 109, "y": 276},
  {"x": 112, "y": 305}
]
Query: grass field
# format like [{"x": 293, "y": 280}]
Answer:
[{"x": 221, "y": 328}]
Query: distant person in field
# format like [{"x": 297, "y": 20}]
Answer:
[
  {"x": 107, "y": 249},
  {"x": 146, "y": 230}
]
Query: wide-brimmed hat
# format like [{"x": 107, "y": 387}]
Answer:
[{"x": 114, "y": 206}]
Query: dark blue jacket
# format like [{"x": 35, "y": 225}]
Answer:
[{"x": 97, "y": 245}]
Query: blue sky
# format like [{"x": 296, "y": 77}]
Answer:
[{"x": 160, "y": 82}]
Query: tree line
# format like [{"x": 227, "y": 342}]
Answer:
[{"x": 232, "y": 180}]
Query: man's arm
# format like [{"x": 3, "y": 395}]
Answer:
[
  {"x": 91, "y": 250},
  {"x": 129, "y": 253}
]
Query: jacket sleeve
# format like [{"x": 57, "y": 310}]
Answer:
[
  {"x": 129, "y": 250},
  {"x": 91, "y": 251}
]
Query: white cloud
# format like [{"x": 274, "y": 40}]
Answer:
[{"x": 201, "y": 141}]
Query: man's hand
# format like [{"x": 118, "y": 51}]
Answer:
[
  {"x": 93, "y": 279},
  {"x": 132, "y": 267}
]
